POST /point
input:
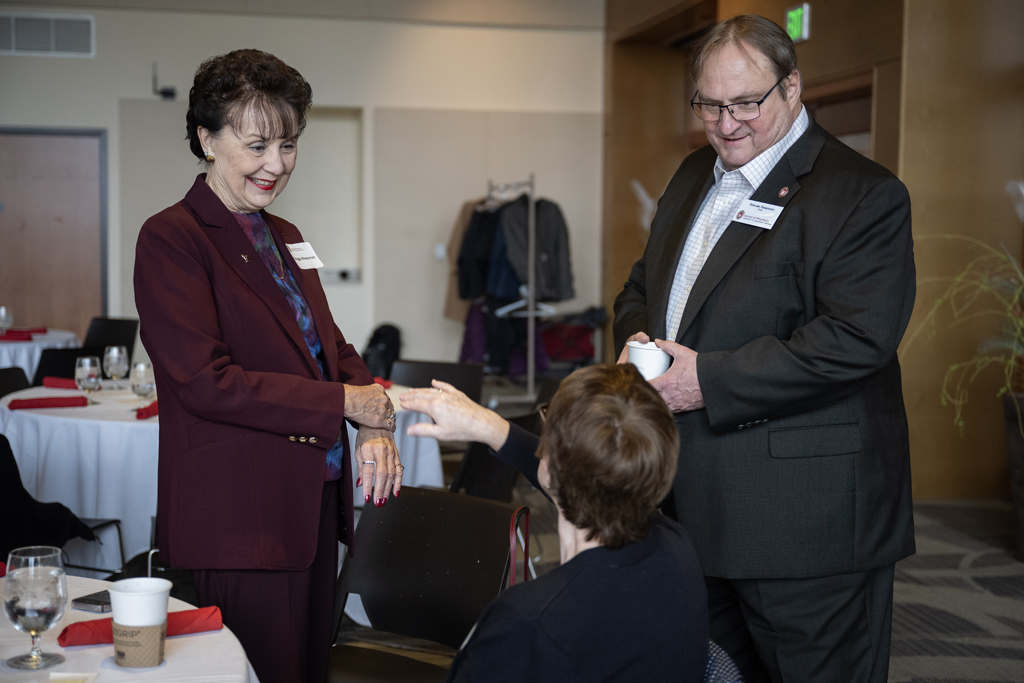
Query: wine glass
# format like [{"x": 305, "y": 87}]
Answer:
[
  {"x": 35, "y": 595},
  {"x": 87, "y": 374},
  {"x": 6, "y": 319},
  {"x": 115, "y": 363},
  {"x": 142, "y": 380}
]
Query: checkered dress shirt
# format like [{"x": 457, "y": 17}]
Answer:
[{"x": 731, "y": 188}]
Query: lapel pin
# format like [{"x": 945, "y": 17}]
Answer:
[
  {"x": 245, "y": 257},
  {"x": 783, "y": 192}
]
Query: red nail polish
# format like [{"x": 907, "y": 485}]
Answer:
[
  {"x": 359, "y": 481},
  {"x": 396, "y": 493},
  {"x": 378, "y": 502},
  {"x": 366, "y": 499},
  {"x": 383, "y": 502}
]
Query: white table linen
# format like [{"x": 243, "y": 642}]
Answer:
[
  {"x": 215, "y": 656},
  {"x": 26, "y": 354},
  {"x": 101, "y": 462}
]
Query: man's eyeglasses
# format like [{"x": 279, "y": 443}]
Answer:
[{"x": 741, "y": 111}]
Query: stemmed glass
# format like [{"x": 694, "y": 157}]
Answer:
[
  {"x": 142, "y": 381},
  {"x": 87, "y": 374},
  {"x": 115, "y": 363},
  {"x": 6, "y": 319},
  {"x": 35, "y": 595}
]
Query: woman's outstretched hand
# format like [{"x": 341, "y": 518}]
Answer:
[{"x": 456, "y": 416}]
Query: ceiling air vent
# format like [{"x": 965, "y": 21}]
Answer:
[{"x": 47, "y": 35}]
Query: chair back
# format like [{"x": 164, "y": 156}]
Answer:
[
  {"x": 483, "y": 475},
  {"x": 721, "y": 668},
  {"x": 466, "y": 377},
  {"x": 61, "y": 362},
  {"x": 104, "y": 332},
  {"x": 26, "y": 521},
  {"x": 11, "y": 380},
  {"x": 427, "y": 563}
]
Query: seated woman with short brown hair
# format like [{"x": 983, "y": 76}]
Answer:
[{"x": 628, "y": 602}]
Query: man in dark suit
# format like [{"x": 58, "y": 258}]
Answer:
[{"x": 781, "y": 264}]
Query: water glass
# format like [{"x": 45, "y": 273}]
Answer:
[
  {"x": 115, "y": 363},
  {"x": 35, "y": 596},
  {"x": 6, "y": 319},
  {"x": 142, "y": 380},
  {"x": 87, "y": 374}
]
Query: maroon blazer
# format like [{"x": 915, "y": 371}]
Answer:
[{"x": 245, "y": 421}]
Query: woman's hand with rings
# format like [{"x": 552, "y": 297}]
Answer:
[
  {"x": 370, "y": 406},
  {"x": 380, "y": 469},
  {"x": 456, "y": 416}
]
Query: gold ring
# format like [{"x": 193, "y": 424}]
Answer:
[
  {"x": 399, "y": 467},
  {"x": 439, "y": 390}
]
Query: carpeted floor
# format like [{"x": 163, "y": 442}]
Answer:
[{"x": 958, "y": 612}]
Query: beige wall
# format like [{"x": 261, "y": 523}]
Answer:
[
  {"x": 358, "y": 64},
  {"x": 962, "y": 140},
  {"x": 458, "y": 152}
]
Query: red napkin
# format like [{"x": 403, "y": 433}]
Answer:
[
  {"x": 16, "y": 335},
  {"x": 147, "y": 412},
  {"x": 100, "y": 631},
  {"x": 386, "y": 383},
  {"x": 3, "y": 569},
  {"x": 32, "y": 330},
  {"x": 54, "y": 402},
  {"x": 59, "y": 383}
]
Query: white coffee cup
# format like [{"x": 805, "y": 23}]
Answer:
[
  {"x": 648, "y": 359},
  {"x": 139, "y": 602}
]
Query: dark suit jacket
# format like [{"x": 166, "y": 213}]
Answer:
[
  {"x": 799, "y": 465},
  {"x": 638, "y": 613},
  {"x": 245, "y": 421}
]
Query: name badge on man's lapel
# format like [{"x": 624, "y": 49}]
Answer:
[
  {"x": 305, "y": 257},
  {"x": 758, "y": 214}
]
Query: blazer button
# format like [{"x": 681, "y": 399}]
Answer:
[
  {"x": 291, "y": 438},
  {"x": 313, "y": 439},
  {"x": 302, "y": 439}
]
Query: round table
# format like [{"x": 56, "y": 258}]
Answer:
[
  {"x": 197, "y": 657},
  {"x": 101, "y": 462},
  {"x": 25, "y": 354}
]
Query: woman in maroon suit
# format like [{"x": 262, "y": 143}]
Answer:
[{"x": 256, "y": 381}]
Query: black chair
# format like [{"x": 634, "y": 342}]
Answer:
[
  {"x": 11, "y": 380},
  {"x": 467, "y": 378},
  {"x": 482, "y": 475},
  {"x": 427, "y": 563},
  {"x": 61, "y": 362},
  {"x": 25, "y": 521},
  {"x": 104, "y": 332}
]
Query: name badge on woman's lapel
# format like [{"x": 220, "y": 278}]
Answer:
[
  {"x": 758, "y": 214},
  {"x": 305, "y": 257}
]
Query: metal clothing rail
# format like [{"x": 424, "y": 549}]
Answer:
[{"x": 499, "y": 192}]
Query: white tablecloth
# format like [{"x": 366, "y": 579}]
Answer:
[
  {"x": 216, "y": 656},
  {"x": 25, "y": 355},
  {"x": 102, "y": 463}
]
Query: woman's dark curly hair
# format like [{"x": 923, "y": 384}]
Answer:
[{"x": 228, "y": 87}]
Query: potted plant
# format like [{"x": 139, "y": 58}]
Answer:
[{"x": 992, "y": 284}]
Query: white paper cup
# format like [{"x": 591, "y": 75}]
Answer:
[
  {"x": 139, "y": 602},
  {"x": 648, "y": 359}
]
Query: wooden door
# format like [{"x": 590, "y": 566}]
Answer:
[{"x": 50, "y": 230}]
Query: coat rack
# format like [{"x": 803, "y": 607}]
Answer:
[{"x": 527, "y": 306}]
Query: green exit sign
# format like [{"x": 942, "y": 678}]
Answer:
[{"x": 798, "y": 22}]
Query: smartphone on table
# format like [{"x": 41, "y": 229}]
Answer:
[{"x": 94, "y": 602}]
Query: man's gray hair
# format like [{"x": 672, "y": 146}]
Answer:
[{"x": 760, "y": 33}]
